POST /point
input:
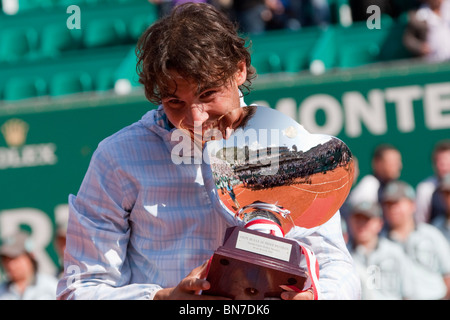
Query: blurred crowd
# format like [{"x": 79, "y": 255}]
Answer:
[
  {"x": 257, "y": 16},
  {"x": 398, "y": 235},
  {"x": 21, "y": 277},
  {"x": 427, "y": 34}
]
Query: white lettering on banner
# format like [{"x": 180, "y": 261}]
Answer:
[
  {"x": 41, "y": 232},
  {"x": 358, "y": 110},
  {"x": 30, "y": 155},
  {"x": 403, "y": 97},
  {"x": 332, "y": 110},
  {"x": 288, "y": 106},
  {"x": 437, "y": 100}
]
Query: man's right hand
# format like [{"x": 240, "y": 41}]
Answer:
[{"x": 189, "y": 288}]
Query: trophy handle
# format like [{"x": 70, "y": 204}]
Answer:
[{"x": 266, "y": 218}]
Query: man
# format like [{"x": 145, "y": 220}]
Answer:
[
  {"x": 423, "y": 243},
  {"x": 142, "y": 226},
  {"x": 429, "y": 201},
  {"x": 24, "y": 281},
  {"x": 382, "y": 265},
  {"x": 428, "y": 31},
  {"x": 386, "y": 166}
]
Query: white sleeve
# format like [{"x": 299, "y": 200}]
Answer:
[{"x": 337, "y": 277}]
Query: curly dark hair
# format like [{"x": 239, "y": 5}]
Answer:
[{"x": 198, "y": 42}]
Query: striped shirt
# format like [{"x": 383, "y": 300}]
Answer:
[{"x": 140, "y": 222}]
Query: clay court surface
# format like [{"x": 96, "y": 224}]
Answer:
[{"x": 311, "y": 204}]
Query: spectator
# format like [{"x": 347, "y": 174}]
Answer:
[
  {"x": 429, "y": 202},
  {"x": 381, "y": 264},
  {"x": 278, "y": 15},
  {"x": 251, "y": 15},
  {"x": 24, "y": 281},
  {"x": 428, "y": 31},
  {"x": 311, "y": 12},
  {"x": 442, "y": 222},
  {"x": 423, "y": 243},
  {"x": 386, "y": 166},
  {"x": 295, "y": 14}
]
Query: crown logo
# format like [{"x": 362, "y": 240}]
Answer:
[{"x": 15, "y": 132}]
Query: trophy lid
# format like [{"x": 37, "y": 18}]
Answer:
[{"x": 274, "y": 162}]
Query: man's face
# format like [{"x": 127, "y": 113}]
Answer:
[
  {"x": 364, "y": 228},
  {"x": 389, "y": 167},
  {"x": 434, "y": 4},
  {"x": 200, "y": 109},
  {"x": 442, "y": 163},
  {"x": 399, "y": 212},
  {"x": 18, "y": 268}
]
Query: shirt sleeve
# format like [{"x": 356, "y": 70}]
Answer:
[
  {"x": 97, "y": 239},
  {"x": 338, "y": 279}
]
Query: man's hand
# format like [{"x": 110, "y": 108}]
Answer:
[
  {"x": 292, "y": 295},
  {"x": 189, "y": 288}
]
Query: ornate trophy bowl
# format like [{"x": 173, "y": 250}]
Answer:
[{"x": 272, "y": 175}]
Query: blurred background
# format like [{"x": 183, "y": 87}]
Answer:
[{"x": 358, "y": 70}]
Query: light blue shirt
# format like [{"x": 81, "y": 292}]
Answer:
[
  {"x": 140, "y": 222},
  {"x": 430, "y": 252}
]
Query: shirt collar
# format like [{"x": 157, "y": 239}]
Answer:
[{"x": 161, "y": 120}]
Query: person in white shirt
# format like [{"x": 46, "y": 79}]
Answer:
[
  {"x": 386, "y": 166},
  {"x": 25, "y": 281},
  {"x": 423, "y": 243},
  {"x": 428, "y": 201},
  {"x": 428, "y": 32},
  {"x": 382, "y": 265}
]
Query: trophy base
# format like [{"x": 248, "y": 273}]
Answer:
[{"x": 243, "y": 275}]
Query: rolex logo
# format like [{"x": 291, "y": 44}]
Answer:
[
  {"x": 18, "y": 154},
  {"x": 15, "y": 132}
]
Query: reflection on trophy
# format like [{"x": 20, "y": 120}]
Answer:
[{"x": 273, "y": 175}]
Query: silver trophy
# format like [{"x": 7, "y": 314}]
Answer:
[{"x": 272, "y": 175}]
